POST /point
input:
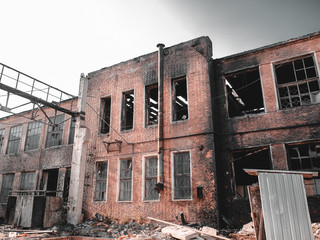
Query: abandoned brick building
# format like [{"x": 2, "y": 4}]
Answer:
[{"x": 170, "y": 132}]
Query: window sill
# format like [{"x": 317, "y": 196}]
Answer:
[
  {"x": 151, "y": 201},
  {"x": 180, "y": 200}
]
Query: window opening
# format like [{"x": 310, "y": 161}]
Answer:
[
  {"x": 66, "y": 185},
  {"x": 151, "y": 173},
  {"x": 256, "y": 158},
  {"x": 244, "y": 93},
  {"x": 14, "y": 139},
  {"x": 55, "y": 131},
  {"x": 27, "y": 180},
  {"x": 7, "y": 185},
  {"x": 127, "y": 110},
  {"x": 182, "y": 180},
  {"x": 306, "y": 157},
  {"x": 33, "y": 135},
  {"x": 105, "y": 113},
  {"x": 101, "y": 181},
  {"x": 298, "y": 82},
  {"x": 2, "y": 132},
  {"x": 71, "y": 131},
  {"x": 152, "y": 104},
  {"x": 180, "y": 99},
  {"x": 125, "y": 180},
  {"x": 49, "y": 181}
]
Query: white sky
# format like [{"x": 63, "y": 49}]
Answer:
[{"x": 55, "y": 41}]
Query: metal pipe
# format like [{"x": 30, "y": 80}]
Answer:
[{"x": 160, "y": 47}]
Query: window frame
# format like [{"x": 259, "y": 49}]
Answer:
[
  {"x": 124, "y": 179},
  {"x": 5, "y": 195},
  {"x": 297, "y": 83},
  {"x": 72, "y": 128},
  {"x": 61, "y": 130},
  {"x": 144, "y": 182},
  {"x": 123, "y": 118},
  {"x": 17, "y": 140},
  {"x": 38, "y": 135},
  {"x": 173, "y": 176},
  {"x": 34, "y": 181},
  {"x": 102, "y": 115},
  {"x": 104, "y": 180},
  {"x": 148, "y": 122},
  {"x": 2, "y": 136},
  {"x": 173, "y": 99}
]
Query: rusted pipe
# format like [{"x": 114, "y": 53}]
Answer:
[{"x": 160, "y": 47}]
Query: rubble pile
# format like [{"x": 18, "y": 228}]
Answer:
[{"x": 316, "y": 230}]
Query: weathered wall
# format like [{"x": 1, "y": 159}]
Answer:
[
  {"x": 273, "y": 128},
  {"x": 188, "y": 59}
]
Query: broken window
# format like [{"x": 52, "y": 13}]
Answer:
[
  {"x": 71, "y": 131},
  {"x": 1, "y": 138},
  {"x": 14, "y": 139},
  {"x": 152, "y": 104},
  {"x": 27, "y": 180},
  {"x": 49, "y": 181},
  {"x": 305, "y": 157},
  {"x": 244, "y": 93},
  {"x": 105, "y": 114},
  {"x": 254, "y": 158},
  {"x": 101, "y": 181},
  {"x": 125, "y": 180},
  {"x": 7, "y": 185},
  {"x": 55, "y": 131},
  {"x": 179, "y": 99},
  {"x": 33, "y": 135},
  {"x": 297, "y": 82},
  {"x": 151, "y": 173},
  {"x": 182, "y": 180},
  {"x": 127, "y": 110}
]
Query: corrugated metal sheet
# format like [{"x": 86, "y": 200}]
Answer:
[{"x": 284, "y": 205}]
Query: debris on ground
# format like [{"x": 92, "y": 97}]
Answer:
[{"x": 316, "y": 230}]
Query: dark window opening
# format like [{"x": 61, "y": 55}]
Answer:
[
  {"x": 33, "y": 136},
  {"x": 151, "y": 173},
  {"x": 182, "y": 180},
  {"x": 27, "y": 180},
  {"x": 101, "y": 181},
  {"x": 127, "y": 110},
  {"x": 14, "y": 139},
  {"x": 180, "y": 99},
  {"x": 72, "y": 131},
  {"x": 306, "y": 157},
  {"x": 1, "y": 138},
  {"x": 55, "y": 131},
  {"x": 66, "y": 185},
  {"x": 297, "y": 83},
  {"x": 125, "y": 180},
  {"x": 244, "y": 93},
  {"x": 49, "y": 181},
  {"x": 152, "y": 104},
  {"x": 7, "y": 185},
  {"x": 256, "y": 158},
  {"x": 105, "y": 114}
]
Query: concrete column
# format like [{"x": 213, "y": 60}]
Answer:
[
  {"x": 78, "y": 163},
  {"x": 61, "y": 180}
]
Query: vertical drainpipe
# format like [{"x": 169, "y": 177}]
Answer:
[{"x": 160, "y": 47}]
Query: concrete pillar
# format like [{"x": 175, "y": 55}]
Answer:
[
  {"x": 61, "y": 180},
  {"x": 78, "y": 163}
]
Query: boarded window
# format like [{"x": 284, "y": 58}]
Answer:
[
  {"x": 71, "y": 131},
  {"x": 33, "y": 135},
  {"x": 182, "y": 180},
  {"x": 127, "y": 110},
  {"x": 1, "y": 138},
  {"x": 101, "y": 181},
  {"x": 152, "y": 104},
  {"x": 105, "y": 114},
  {"x": 297, "y": 82},
  {"x": 55, "y": 131},
  {"x": 179, "y": 99},
  {"x": 306, "y": 157},
  {"x": 253, "y": 158},
  {"x": 151, "y": 172},
  {"x": 27, "y": 180},
  {"x": 125, "y": 180},
  {"x": 7, "y": 184},
  {"x": 244, "y": 93},
  {"x": 14, "y": 139}
]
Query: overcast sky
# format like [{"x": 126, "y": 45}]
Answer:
[{"x": 55, "y": 41}]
